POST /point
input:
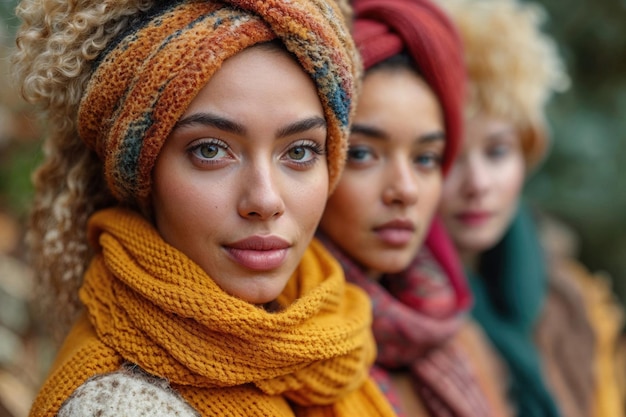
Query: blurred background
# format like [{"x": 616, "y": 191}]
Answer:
[
  {"x": 24, "y": 352},
  {"x": 581, "y": 183}
]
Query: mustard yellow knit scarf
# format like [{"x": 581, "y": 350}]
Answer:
[{"x": 150, "y": 305}]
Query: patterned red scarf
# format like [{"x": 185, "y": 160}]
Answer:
[{"x": 416, "y": 314}]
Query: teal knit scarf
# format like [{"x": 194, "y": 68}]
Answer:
[{"x": 508, "y": 298}]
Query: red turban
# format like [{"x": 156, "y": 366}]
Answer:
[{"x": 384, "y": 28}]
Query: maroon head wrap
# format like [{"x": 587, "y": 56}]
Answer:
[{"x": 384, "y": 28}]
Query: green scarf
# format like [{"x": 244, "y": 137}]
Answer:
[{"x": 509, "y": 295}]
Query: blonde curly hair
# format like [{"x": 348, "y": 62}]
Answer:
[
  {"x": 513, "y": 67},
  {"x": 56, "y": 46}
]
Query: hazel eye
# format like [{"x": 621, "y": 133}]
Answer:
[
  {"x": 208, "y": 150},
  {"x": 298, "y": 153},
  {"x": 303, "y": 154}
]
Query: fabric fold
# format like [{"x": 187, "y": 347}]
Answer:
[{"x": 150, "y": 305}]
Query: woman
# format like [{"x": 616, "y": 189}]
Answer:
[
  {"x": 406, "y": 131},
  {"x": 192, "y": 146},
  {"x": 553, "y": 325}
]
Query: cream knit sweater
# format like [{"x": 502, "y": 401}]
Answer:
[{"x": 128, "y": 392}]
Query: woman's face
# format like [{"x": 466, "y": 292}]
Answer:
[
  {"x": 391, "y": 186},
  {"x": 482, "y": 190},
  {"x": 241, "y": 183}
]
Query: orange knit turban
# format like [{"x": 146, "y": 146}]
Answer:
[{"x": 147, "y": 77}]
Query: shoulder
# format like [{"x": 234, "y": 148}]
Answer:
[
  {"x": 578, "y": 290},
  {"x": 579, "y": 331},
  {"x": 570, "y": 280},
  {"x": 127, "y": 392}
]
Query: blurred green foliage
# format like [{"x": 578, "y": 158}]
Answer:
[
  {"x": 582, "y": 180},
  {"x": 16, "y": 165},
  {"x": 19, "y": 147}
]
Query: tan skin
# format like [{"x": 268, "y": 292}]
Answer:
[
  {"x": 248, "y": 151},
  {"x": 392, "y": 182},
  {"x": 482, "y": 191}
]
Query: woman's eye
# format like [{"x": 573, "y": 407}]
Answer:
[
  {"x": 359, "y": 154},
  {"x": 298, "y": 153},
  {"x": 304, "y": 153},
  {"x": 498, "y": 151},
  {"x": 429, "y": 160},
  {"x": 208, "y": 151}
]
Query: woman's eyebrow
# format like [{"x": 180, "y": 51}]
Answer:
[
  {"x": 212, "y": 120},
  {"x": 300, "y": 126},
  {"x": 375, "y": 133},
  {"x": 369, "y": 131},
  {"x": 221, "y": 123},
  {"x": 433, "y": 137}
]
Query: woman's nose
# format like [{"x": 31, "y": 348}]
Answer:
[
  {"x": 261, "y": 196},
  {"x": 401, "y": 184},
  {"x": 475, "y": 177}
]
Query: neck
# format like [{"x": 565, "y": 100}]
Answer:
[
  {"x": 374, "y": 275},
  {"x": 470, "y": 260}
]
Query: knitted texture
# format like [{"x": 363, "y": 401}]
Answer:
[
  {"x": 409, "y": 337},
  {"x": 125, "y": 394},
  {"x": 150, "y": 305},
  {"x": 384, "y": 28},
  {"x": 147, "y": 77}
]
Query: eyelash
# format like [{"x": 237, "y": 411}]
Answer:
[
  {"x": 435, "y": 160},
  {"x": 193, "y": 148},
  {"x": 360, "y": 156},
  {"x": 367, "y": 155},
  {"x": 313, "y": 146}
]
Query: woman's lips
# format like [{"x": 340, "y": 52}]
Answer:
[
  {"x": 396, "y": 232},
  {"x": 473, "y": 218},
  {"x": 259, "y": 253}
]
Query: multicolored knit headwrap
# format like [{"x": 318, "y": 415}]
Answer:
[
  {"x": 384, "y": 28},
  {"x": 144, "y": 81}
]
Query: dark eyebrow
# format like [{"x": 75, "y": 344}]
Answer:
[
  {"x": 221, "y": 123},
  {"x": 433, "y": 137},
  {"x": 375, "y": 133},
  {"x": 368, "y": 131},
  {"x": 213, "y": 120},
  {"x": 300, "y": 126}
]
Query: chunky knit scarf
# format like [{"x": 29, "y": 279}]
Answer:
[
  {"x": 410, "y": 337},
  {"x": 145, "y": 79},
  {"x": 510, "y": 292},
  {"x": 150, "y": 305}
]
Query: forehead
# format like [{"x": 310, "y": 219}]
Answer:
[
  {"x": 483, "y": 127},
  {"x": 398, "y": 99}
]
